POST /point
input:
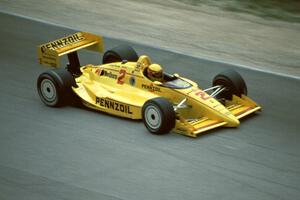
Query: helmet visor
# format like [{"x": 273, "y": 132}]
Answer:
[{"x": 157, "y": 74}]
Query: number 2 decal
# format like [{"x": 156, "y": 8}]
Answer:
[
  {"x": 202, "y": 95},
  {"x": 121, "y": 77}
]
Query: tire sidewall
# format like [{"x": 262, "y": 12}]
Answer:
[
  {"x": 62, "y": 87},
  {"x": 165, "y": 112},
  {"x": 153, "y": 107}
]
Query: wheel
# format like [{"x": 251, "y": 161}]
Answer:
[
  {"x": 120, "y": 53},
  {"x": 54, "y": 87},
  {"x": 233, "y": 82},
  {"x": 158, "y": 115}
]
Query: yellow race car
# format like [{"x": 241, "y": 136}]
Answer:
[{"x": 122, "y": 86}]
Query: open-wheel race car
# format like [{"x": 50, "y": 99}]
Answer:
[{"x": 122, "y": 86}]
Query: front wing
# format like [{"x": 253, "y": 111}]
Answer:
[{"x": 238, "y": 106}]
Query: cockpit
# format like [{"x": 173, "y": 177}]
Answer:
[
  {"x": 169, "y": 81},
  {"x": 174, "y": 82}
]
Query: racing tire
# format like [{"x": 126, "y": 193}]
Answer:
[
  {"x": 233, "y": 82},
  {"x": 54, "y": 87},
  {"x": 120, "y": 53},
  {"x": 159, "y": 116}
]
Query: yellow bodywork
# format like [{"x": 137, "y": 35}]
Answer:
[{"x": 121, "y": 89}]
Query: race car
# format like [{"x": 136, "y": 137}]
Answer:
[{"x": 122, "y": 86}]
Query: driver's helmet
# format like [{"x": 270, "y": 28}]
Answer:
[{"x": 155, "y": 72}]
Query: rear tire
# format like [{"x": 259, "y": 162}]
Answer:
[
  {"x": 120, "y": 53},
  {"x": 54, "y": 87},
  {"x": 234, "y": 83},
  {"x": 159, "y": 116}
]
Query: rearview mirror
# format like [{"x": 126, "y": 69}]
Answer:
[{"x": 157, "y": 83}]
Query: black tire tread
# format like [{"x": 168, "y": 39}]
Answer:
[
  {"x": 120, "y": 53},
  {"x": 63, "y": 81},
  {"x": 234, "y": 81}
]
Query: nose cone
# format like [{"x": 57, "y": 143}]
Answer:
[{"x": 232, "y": 121}]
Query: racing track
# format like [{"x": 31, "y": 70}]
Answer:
[{"x": 74, "y": 153}]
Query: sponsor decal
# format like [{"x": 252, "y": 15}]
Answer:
[
  {"x": 62, "y": 42},
  {"x": 138, "y": 67},
  {"x": 202, "y": 95},
  {"x": 121, "y": 77},
  {"x": 109, "y": 74},
  {"x": 132, "y": 80},
  {"x": 151, "y": 88},
  {"x": 106, "y": 103}
]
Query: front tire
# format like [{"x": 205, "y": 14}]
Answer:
[
  {"x": 55, "y": 87},
  {"x": 159, "y": 116},
  {"x": 233, "y": 82}
]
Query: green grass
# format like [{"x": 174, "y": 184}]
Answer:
[{"x": 285, "y": 10}]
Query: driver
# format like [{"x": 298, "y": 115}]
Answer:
[{"x": 155, "y": 72}]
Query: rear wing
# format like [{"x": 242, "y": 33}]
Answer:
[{"x": 49, "y": 53}]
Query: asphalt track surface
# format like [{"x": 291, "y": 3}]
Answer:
[{"x": 75, "y": 153}]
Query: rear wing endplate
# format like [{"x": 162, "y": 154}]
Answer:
[{"x": 49, "y": 53}]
